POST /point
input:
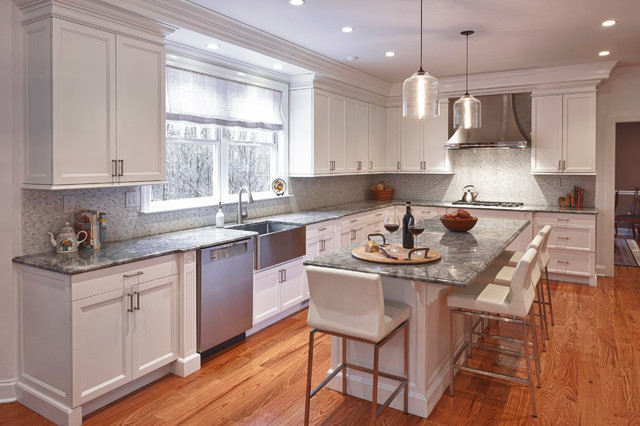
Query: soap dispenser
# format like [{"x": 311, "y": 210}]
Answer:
[{"x": 220, "y": 217}]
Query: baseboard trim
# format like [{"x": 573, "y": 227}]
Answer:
[
  {"x": 184, "y": 367},
  {"x": 8, "y": 391},
  {"x": 48, "y": 408}
]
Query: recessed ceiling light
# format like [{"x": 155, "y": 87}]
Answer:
[
  {"x": 277, "y": 66},
  {"x": 609, "y": 23},
  {"x": 604, "y": 53},
  {"x": 352, "y": 58},
  {"x": 296, "y": 2},
  {"x": 390, "y": 54},
  {"x": 213, "y": 46},
  {"x": 348, "y": 29}
]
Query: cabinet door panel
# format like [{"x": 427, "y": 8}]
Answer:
[
  {"x": 84, "y": 102},
  {"x": 337, "y": 133},
  {"x": 376, "y": 138},
  {"x": 410, "y": 145},
  {"x": 266, "y": 294},
  {"x": 392, "y": 140},
  {"x": 546, "y": 134},
  {"x": 155, "y": 324},
  {"x": 436, "y": 157},
  {"x": 292, "y": 288},
  {"x": 141, "y": 110},
  {"x": 351, "y": 140},
  {"x": 101, "y": 351},
  {"x": 579, "y": 132},
  {"x": 320, "y": 133}
]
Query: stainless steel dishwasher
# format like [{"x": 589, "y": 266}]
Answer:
[{"x": 225, "y": 293}]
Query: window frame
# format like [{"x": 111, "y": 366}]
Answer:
[{"x": 281, "y": 157}]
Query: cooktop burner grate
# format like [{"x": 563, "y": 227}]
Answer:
[{"x": 489, "y": 203}]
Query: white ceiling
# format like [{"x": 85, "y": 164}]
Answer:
[{"x": 510, "y": 34}]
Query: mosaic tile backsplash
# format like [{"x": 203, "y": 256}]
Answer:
[{"x": 498, "y": 174}]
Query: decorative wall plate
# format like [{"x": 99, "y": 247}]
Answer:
[{"x": 278, "y": 186}]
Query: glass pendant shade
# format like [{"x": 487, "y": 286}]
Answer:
[
  {"x": 467, "y": 113},
  {"x": 420, "y": 96}
]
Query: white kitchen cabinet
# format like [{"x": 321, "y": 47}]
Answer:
[
  {"x": 522, "y": 241},
  {"x": 377, "y": 132},
  {"x": 95, "y": 107},
  {"x": 422, "y": 144},
  {"x": 318, "y": 143},
  {"x": 572, "y": 246},
  {"x": 277, "y": 289},
  {"x": 564, "y": 134},
  {"x": 87, "y": 334},
  {"x": 421, "y": 212},
  {"x": 352, "y": 229}
]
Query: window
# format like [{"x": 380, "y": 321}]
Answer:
[{"x": 222, "y": 133}]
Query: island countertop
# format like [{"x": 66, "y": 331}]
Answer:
[{"x": 464, "y": 254}]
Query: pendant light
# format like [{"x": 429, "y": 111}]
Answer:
[
  {"x": 466, "y": 110},
  {"x": 420, "y": 91}
]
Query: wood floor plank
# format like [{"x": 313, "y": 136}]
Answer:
[{"x": 590, "y": 376}]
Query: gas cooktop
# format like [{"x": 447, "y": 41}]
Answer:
[{"x": 489, "y": 203}]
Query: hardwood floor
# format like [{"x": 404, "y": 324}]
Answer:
[{"x": 590, "y": 376}]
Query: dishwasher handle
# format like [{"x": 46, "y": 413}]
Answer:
[{"x": 227, "y": 251}]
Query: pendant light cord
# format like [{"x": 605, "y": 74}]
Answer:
[
  {"x": 421, "y": 70},
  {"x": 466, "y": 84}
]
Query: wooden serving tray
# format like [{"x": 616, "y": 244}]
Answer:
[{"x": 401, "y": 254}]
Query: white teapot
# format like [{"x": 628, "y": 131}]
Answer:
[{"x": 67, "y": 240}]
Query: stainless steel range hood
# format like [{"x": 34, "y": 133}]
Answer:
[{"x": 500, "y": 125}]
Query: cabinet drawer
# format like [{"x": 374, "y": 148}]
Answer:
[
  {"x": 323, "y": 228},
  {"x": 121, "y": 276},
  {"x": 379, "y": 215},
  {"x": 565, "y": 220},
  {"x": 567, "y": 238},
  {"x": 572, "y": 263},
  {"x": 353, "y": 220}
]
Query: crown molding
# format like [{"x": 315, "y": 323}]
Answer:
[
  {"x": 98, "y": 14},
  {"x": 321, "y": 82},
  {"x": 186, "y": 14}
]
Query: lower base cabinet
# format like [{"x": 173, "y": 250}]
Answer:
[
  {"x": 84, "y": 335},
  {"x": 277, "y": 289}
]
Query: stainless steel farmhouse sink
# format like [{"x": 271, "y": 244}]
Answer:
[{"x": 276, "y": 242}]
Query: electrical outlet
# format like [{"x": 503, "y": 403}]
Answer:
[
  {"x": 69, "y": 202},
  {"x": 132, "y": 199}
]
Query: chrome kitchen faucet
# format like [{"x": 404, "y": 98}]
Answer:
[{"x": 245, "y": 214}]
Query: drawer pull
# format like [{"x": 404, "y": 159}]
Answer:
[
  {"x": 135, "y": 274},
  {"x": 353, "y": 220},
  {"x": 137, "y": 293},
  {"x": 130, "y": 308},
  {"x": 322, "y": 229}
]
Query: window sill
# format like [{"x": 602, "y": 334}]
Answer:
[{"x": 179, "y": 205}]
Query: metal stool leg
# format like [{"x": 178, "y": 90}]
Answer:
[
  {"x": 528, "y": 362},
  {"x": 307, "y": 401},
  {"x": 374, "y": 391},
  {"x": 546, "y": 273}
]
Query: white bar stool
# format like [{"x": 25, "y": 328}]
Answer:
[
  {"x": 497, "y": 274},
  {"x": 350, "y": 305},
  {"x": 510, "y": 258},
  {"x": 497, "y": 302}
]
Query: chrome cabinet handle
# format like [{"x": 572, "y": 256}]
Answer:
[
  {"x": 284, "y": 275},
  {"x": 370, "y": 164},
  {"x": 564, "y": 165},
  {"x": 137, "y": 293},
  {"x": 359, "y": 165},
  {"x": 280, "y": 280},
  {"x": 130, "y": 308},
  {"x": 353, "y": 220},
  {"x": 322, "y": 229},
  {"x": 559, "y": 165},
  {"x": 121, "y": 162},
  {"x": 135, "y": 274},
  {"x": 114, "y": 168},
  {"x": 398, "y": 166}
]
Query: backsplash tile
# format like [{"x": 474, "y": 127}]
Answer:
[{"x": 498, "y": 174}]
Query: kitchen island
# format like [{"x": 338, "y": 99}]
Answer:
[{"x": 424, "y": 288}]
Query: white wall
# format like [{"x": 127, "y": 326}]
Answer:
[
  {"x": 617, "y": 101},
  {"x": 10, "y": 107}
]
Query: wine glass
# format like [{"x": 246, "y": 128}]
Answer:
[
  {"x": 391, "y": 224},
  {"x": 415, "y": 228}
]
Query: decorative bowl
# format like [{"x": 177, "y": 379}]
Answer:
[{"x": 457, "y": 224}]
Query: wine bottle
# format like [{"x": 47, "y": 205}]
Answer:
[{"x": 407, "y": 238}]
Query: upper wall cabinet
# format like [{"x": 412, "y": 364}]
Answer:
[
  {"x": 329, "y": 134},
  {"x": 563, "y": 132},
  {"x": 417, "y": 146},
  {"x": 95, "y": 107},
  {"x": 377, "y": 125}
]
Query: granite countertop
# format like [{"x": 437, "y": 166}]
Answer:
[
  {"x": 127, "y": 251},
  {"x": 464, "y": 254},
  {"x": 157, "y": 245}
]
